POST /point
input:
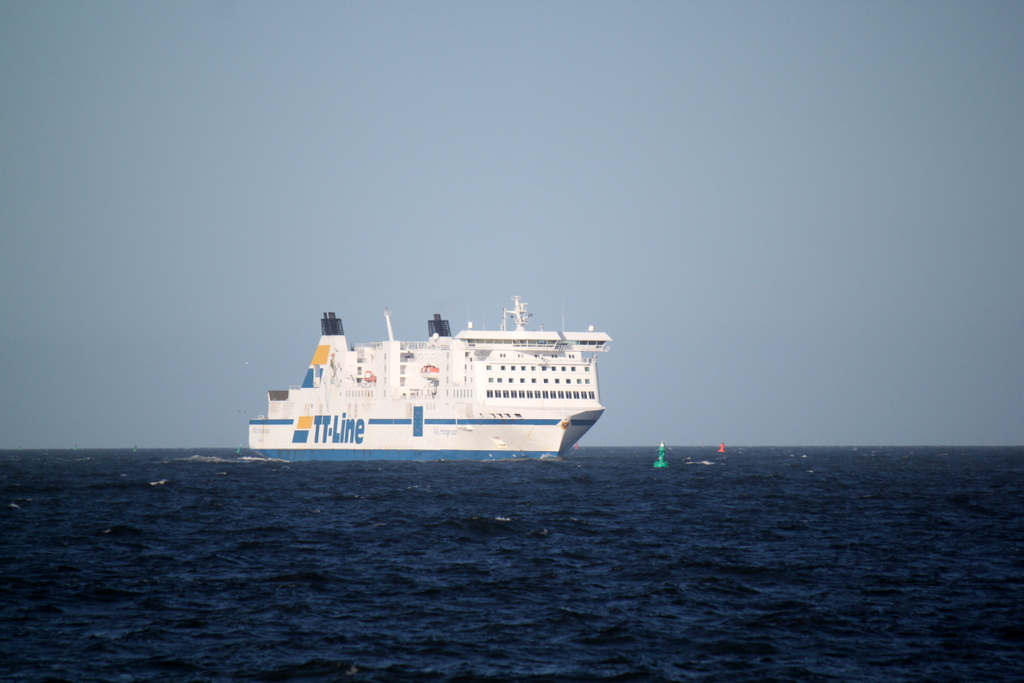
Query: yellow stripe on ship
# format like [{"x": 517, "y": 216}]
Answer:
[{"x": 320, "y": 357}]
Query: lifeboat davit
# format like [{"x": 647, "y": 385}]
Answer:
[{"x": 431, "y": 372}]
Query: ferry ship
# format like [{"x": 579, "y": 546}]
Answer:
[{"x": 481, "y": 395}]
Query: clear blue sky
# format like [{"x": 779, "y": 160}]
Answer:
[{"x": 801, "y": 222}]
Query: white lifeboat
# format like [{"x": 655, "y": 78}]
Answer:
[{"x": 431, "y": 372}]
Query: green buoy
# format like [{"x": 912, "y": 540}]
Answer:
[{"x": 661, "y": 462}]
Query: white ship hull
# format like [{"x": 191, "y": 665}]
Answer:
[
  {"x": 480, "y": 395},
  {"x": 440, "y": 438}
]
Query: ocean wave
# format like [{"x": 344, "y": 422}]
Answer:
[
  {"x": 205, "y": 458},
  {"x": 883, "y": 567}
]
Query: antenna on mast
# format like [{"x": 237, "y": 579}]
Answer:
[{"x": 391, "y": 332}]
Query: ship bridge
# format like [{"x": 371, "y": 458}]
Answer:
[{"x": 537, "y": 340}]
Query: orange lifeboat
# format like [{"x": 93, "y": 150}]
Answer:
[
  {"x": 369, "y": 377},
  {"x": 431, "y": 372}
]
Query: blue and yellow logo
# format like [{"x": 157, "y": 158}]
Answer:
[{"x": 329, "y": 429}]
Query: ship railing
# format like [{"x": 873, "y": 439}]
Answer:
[
  {"x": 406, "y": 345},
  {"x": 540, "y": 344},
  {"x": 416, "y": 345},
  {"x": 545, "y": 344}
]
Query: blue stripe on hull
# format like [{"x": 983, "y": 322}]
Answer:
[
  {"x": 299, "y": 454},
  {"x": 490, "y": 421},
  {"x": 443, "y": 421},
  {"x": 464, "y": 421}
]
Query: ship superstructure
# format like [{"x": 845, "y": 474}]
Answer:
[{"x": 482, "y": 394}]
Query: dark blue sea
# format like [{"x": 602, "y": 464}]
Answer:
[{"x": 759, "y": 564}]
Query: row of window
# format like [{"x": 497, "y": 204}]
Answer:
[
  {"x": 572, "y": 368},
  {"x": 533, "y": 380},
  {"x": 506, "y": 393}
]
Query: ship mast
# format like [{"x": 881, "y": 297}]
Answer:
[{"x": 518, "y": 314}]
